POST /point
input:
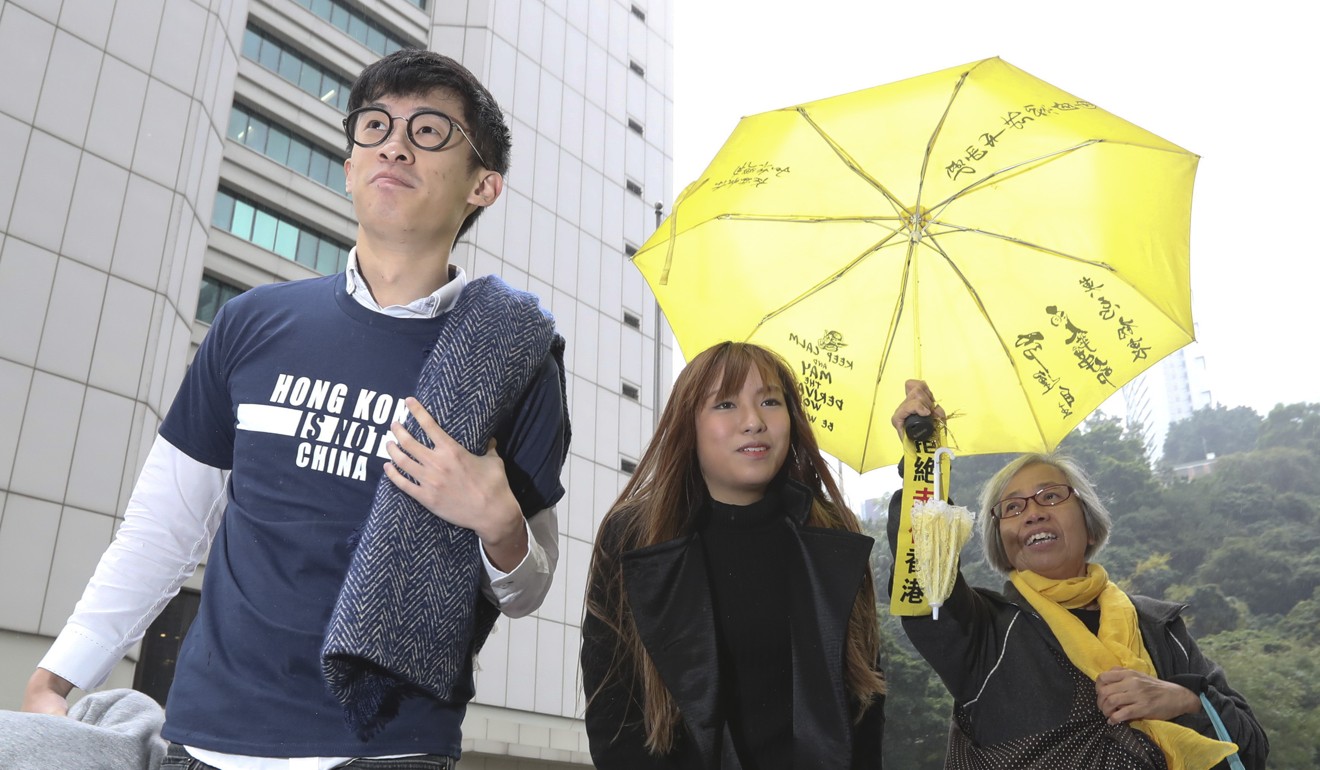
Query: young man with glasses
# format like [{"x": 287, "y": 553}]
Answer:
[{"x": 275, "y": 446}]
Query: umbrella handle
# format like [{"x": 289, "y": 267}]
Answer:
[
  {"x": 919, "y": 427},
  {"x": 942, "y": 450}
]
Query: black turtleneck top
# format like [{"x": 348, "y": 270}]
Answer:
[{"x": 748, "y": 554}]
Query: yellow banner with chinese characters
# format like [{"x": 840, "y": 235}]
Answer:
[{"x": 906, "y": 596}]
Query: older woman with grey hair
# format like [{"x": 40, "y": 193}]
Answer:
[{"x": 1062, "y": 669}]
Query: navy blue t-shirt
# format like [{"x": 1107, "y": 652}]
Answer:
[{"x": 294, "y": 389}]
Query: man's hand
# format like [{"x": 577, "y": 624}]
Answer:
[
  {"x": 464, "y": 489},
  {"x": 917, "y": 400},
  {"x": 1124, "y": 695},
  {"x": 47, "y": 693}
]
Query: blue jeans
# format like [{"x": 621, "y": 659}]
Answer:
[{"x": 177, "y": 758}]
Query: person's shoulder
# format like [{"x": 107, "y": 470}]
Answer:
[
  {"x": 1158, "y": 610},
  {"x": 609, "y": 538},
  {"x": 282, "y": 295},
  {"x": 303, "y": 287},
  {"x": 1009, "y": 596}
]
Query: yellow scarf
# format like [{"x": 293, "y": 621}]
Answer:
[{"x": 1118, "y": 643}]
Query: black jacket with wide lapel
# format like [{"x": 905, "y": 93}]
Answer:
[{"x": 669, "y": 593}]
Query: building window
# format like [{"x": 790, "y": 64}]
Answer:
[
  {"x": 286, "y": 148},
  {"x": 271, "y": 231},
  {"x": 353, "y": 23},
  {"x": 160, "y": 646},
  {"x": 626, "y": 465},
  {"x": 633, "y": 187},
  {"x": 636, "y": 127},
  {"x": 632, "y": 319},
  {"x": 629, "y": 249},
  {"x": 214, "y": 293},
  {"x": 639, "y": 13},
  {"x": 635, "y": 67},
  {"x": 630, "y": 390},
  {"x": 312, "y": 78}
]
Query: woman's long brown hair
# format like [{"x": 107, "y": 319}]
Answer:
[{"x": 660, "y": 503}]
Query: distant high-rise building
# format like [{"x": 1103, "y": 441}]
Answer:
[
  {"x": 163, "y": 157},
  {"x": 1184, "y": 384}
]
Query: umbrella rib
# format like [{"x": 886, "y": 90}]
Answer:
[
  {"x": 930, "y": 142},
  {"x": 987, "y": 179},
  {"x": 890, "y": 334},
  {"x": 673, "y": 231},
  {"x": 1012, "y": 239},
  {"x": 822, "y": 284},
  {"x": 849, "y": 161},
  {"x": 980, "y": 307},
  {"x": 804, "y": 218}
]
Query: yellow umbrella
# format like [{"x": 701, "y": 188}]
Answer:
[{"x": 1019, "y": 248}]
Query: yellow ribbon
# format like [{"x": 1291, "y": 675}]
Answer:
[
  {"x": 906, "y": 596},
  {"x": 1118, "y": 643}
]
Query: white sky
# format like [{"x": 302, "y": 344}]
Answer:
[{"x": 1231, "y": 82}]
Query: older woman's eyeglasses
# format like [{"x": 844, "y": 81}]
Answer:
[
  {"x": 1016, "y": 506},
  {"x": 429, "y": 130}
]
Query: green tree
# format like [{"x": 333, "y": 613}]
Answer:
[
  {"x": 1279, "y": 469},
  {"x": 1262, "y": 577},
  {"x": 1209, "y": 611},
  {"x": 1150, "y": 577},
  {"x": 1293, "y": 425},
  {"x": 1211, "y": 430},
  {"x": 917, "y": 708},
  {"x": 1115, "y": 460},
  {"x": 1280, "y": 678}
]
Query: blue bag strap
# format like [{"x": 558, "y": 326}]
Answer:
[{"x": 1234, "y": 761}]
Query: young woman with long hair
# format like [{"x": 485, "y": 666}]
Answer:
[{"x": 731, "y": 618}]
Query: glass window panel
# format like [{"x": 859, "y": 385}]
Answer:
[
  {"x": 321, "y": 8},
  {"x": 299, "y": 156},
  {"x": 251, "y": 44},
  {"x": 263, "y": 230},
  {"x": 228, "y": 292},
  {"x": 327, "y": 258},
  {"x": 339, "y": 16},
  {"x": 270, "y": 55},
  {"x": 207, "y": 300},
  {"x": 237, "y": 123},
  {"x": 328, "y": 90},
  {"x": 306, "y": 254},
  {"x": 277, "y": 145},
  {"x": 309, "y": 79},
  {"x": 286, "y": 240},
  {"x": 256, "y": 134},
  {"x": 290, "y": 66},
  {"x": 357, "y": 28},
  {"x": 376, "y": 40},
  {"x": 335, "y": 180},
  {"x": 222, "y": 216},
  {"x": 319, "y": 168},
  {"x": 242, "y": 224}
]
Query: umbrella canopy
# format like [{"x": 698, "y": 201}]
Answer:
[{"x": 1022, "y": 250}]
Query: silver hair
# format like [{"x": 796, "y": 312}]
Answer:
[{"x": 1094, "y": 512}]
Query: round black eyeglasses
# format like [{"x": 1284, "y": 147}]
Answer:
[
  {"x": 1016, "y": 506},
  {"x": 429, "y": 130}
]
